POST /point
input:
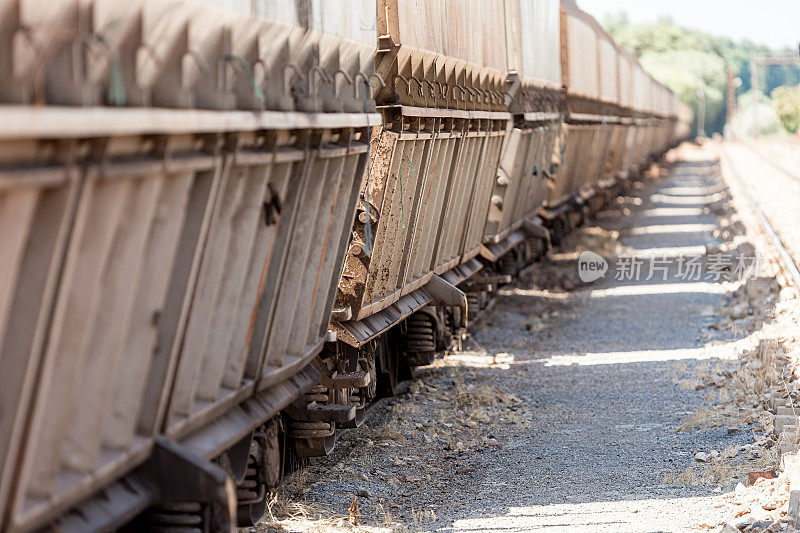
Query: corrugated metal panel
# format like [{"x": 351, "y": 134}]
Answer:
[
  {"x": 487, "y": 20},
  {"x": 642, "y": 89},
  {"x": 526, "y": 155},
  {"x": 467, "y": 29},
  {"x": 430, "y": 194},
  {"x": 419, "y": 24},
  {"x": 533, "y": 39},
  {"x": 625, "y": 80},
  {"x": 609, "y": 71},
  {"x": 38, "y": 199},
  {"x": 352, "y": 19},
  {"x": 582, "y": 57}
]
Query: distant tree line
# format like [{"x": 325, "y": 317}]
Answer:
[{"x": 687, "y": 60}]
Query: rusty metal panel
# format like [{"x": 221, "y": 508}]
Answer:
[
  {"x": 545, "y": 144},
  {"x": 158, "y": 314},
  {"x": 603, "y": 151},
  {"x": 523, "y": 178},
  {"x": 442, "y": 54},
  {"x": 38, "y": 197},
  {"x": 645, "y": 142},
  {"x": 626, "y": 66},
  {"x": 328, "y": 191},
  {"x": 428, "y": 205},
  {"x": 533, "y": 39},
  {"x": 511, "y": 174},
  {"x": 449, "y": 245},
  {"x": 616, "y": 163},
  {"x": 481, "y": 195},
  {"x": 465, "y": 30},
  {"x": 590, "y": 158},
  {"x": 629, "y": 160},
  {"x": 429, "y": 192},
  {"x": 226, "y": 265},
  {"x": 582, "y": 56},
  {"x": 123, "y": 244},
  {"x": 635, "y": 146},
  {"x": 609, "y": 70},
  {"x": 573, "y": 137},
  {"x": 396, "y": 219},
  {"x": 520, "y": 188},
  {"x": 399, "y": 174}
]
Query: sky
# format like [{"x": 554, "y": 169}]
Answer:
[{"x": 775, "y": 23}]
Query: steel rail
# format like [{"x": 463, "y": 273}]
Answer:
[
  {"x": 772, "y": 162},
  {"x": 786, "y": 257}
]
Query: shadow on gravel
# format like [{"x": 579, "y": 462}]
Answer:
[{"x": 599, "y": 366}]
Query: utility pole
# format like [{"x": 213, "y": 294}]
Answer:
[
  {"x": 731, "y": 99},
  {"x": 754, "y": 74},
  {"x": 701, "y": 113},
  {"x": 733, "y": 84}
]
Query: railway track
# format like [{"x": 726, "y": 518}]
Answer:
[
  {"x": 777, "y": 165},
  {"x": 790, "y": 264}
]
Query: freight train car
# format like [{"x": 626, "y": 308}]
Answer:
[
  {"x": 514, "y": 233},
  {"x": 179, "y": 183},
  {"x": 217, "y": 249},
  {"x": 593, "y": 128},
  {"x": 618, "y": 118},
  {"x": 423, "y": 207}
]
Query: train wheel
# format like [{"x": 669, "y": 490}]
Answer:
[
  {"x": 388, "y": 368},
  {"x": 510, "y": 263},
  {"x": 263, "y": 473},
  {"x": 559, "y": 230},
  {"x": 586, "y": 215}
]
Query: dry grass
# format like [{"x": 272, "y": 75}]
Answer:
[
  {"x": 736, "y": 391},
  {"x": 467, "y": 397},
  {"x": 728, "y": 469},
  {"x": 738, "y": 394},
  {"x": 284, "y": 515},
  {"x": 281, "y": 510},
  {"x": 392, "y": 431},
  {"x": 713, "y": 417}
]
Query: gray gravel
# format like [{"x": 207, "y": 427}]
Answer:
[
  {"x": 607, "y": 433},
  {"x": 588, "y": 434}
]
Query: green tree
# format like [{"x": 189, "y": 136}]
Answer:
[
  {"x": 755, "y": 116},
  {"x": 690, "y": 60},
  {"x": 786, "y": 101}
]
